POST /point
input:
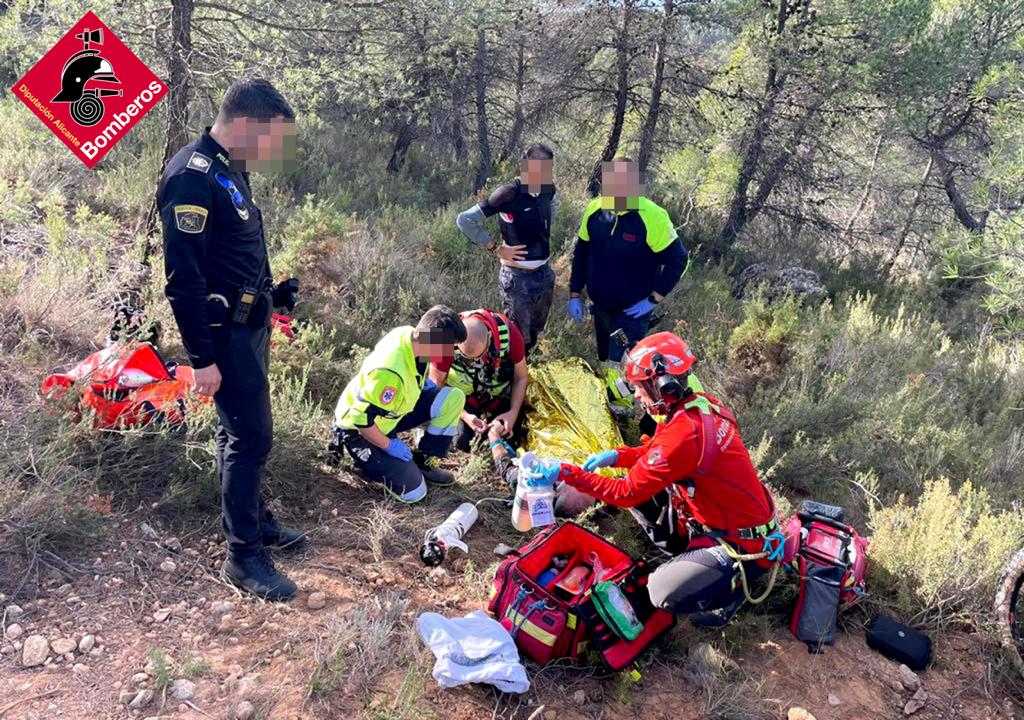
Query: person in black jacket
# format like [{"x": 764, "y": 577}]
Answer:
[
  {"x": 220, "y": 290},
  {"x": 628, "y": 257},
  {"x": 526, "y": 209}
]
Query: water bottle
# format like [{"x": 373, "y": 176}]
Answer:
[
  {"x": 534, "y": 504},
  {"x": 448, "y": 534}
]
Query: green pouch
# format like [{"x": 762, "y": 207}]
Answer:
[{"x": 613, "y": 607}]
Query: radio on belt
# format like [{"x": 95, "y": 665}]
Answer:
[{"x": 247, "y": 297}]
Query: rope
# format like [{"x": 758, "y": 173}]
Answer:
[{"x": 740, "y": 558}]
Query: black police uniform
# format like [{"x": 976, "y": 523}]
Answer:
[{"x": 214, "y": 247}]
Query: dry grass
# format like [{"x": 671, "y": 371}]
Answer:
[{"x": 356, "y": 645}]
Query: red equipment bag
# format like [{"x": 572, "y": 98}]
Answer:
[
  {"x": 549, "y": 622},
  {"x": 831, "y": 562}
]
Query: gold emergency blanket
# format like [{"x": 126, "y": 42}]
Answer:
[{"x": 567, "y": 416}]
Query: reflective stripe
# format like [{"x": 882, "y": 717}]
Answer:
[
  {"x": 446, "y": 430},
  {"x": 535, "y": 631},
  {"x": 437, "y": 406}
]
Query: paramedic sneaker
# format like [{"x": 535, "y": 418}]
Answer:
[
  {"x": 718, "y": 617},
  {"x": 433, "y": 473},
  {"x": 282, "y": 539},
  {"x": 258, "y": 576}
]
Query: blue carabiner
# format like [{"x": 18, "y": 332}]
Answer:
[{"x": 775, "y": 553}]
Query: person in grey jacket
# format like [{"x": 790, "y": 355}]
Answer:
[{"x": 526, "y": 209}]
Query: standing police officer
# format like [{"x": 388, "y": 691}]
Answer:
[{"x": 220, "y": 289}]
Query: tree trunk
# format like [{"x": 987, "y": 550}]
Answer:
[
  {"x": 738, "y": 208},
  {"x": 905, "y": 232},
  {"x": 403, "y": 140},
  {"x": 654, "y": 108},
  {"x": 956, "y": 199},
  {"x": 857, "y": 211},
  {"x": 179, "y": 83},
  {"x": 482, "y": 134},
  {"x": 458, "y": 122},
  {"x": 611, "y": 147},
  {"x": 515, "y": 135}
]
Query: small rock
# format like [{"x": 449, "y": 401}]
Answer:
[
  {"x": 316, "y": 601},
  {"x": 221, "y": 606},
  {"x": 579, "y": 697},
  {"x": 183, "y": 689},
  {"x": 8, "y": 650},
  {"x": 246, "y": 688},
  {"x": 14, "y": 631},
  {"x": 226, "y": 624},
  {"x": 80, "y": 669},
  {"x": 161, "y": 614},
  {"x": 909, "y": 679},
  {"x": 798, "y": 713},
  {"x": 440, "y": 577},
  {"x": 243, "y": 711},
  {"x": 173, "y": 544},
  {"x": 921, "y": 695},
  {"x": 63, "y": 646},
  {"x": 912, "y": 706},
  {"x": 834, "y": 700},
  {"x": 706, "y": 655},
  {"x": 14, "y": 611},
  {"x": 86, "y": 644},
  {"x": 148, "y": 531},
  {"x": 168, "y": 566},
  {"x": 64, "y": 589},
  {"x": 142, "y": 698},
  {"x": 126, "y": 696},
  {"x": 139, "y": 678},
  {"x": 35, "y": 651}
]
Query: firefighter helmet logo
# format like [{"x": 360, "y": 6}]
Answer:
[{"x": 78, "y": 76}]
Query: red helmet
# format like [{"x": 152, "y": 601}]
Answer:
[{"x": 660, "y": 354}]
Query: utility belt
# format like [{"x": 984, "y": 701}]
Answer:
[
  {"x": 749, "y": 533},
  {"x": 248, "y": 306}
]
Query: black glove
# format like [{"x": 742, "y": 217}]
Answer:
[{"x": 285, "y": 293}]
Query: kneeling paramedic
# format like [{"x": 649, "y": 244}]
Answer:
[
  {"x": 692, "y": 487},
  {"x": 399, "y": 388},
  {"x": 219, "y": 288},
  {"x": 490, "y": 368}
]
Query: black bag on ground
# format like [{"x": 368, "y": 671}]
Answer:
[
  {"x": 814, "y": 621},
  {"x": 899, "y": 642}
]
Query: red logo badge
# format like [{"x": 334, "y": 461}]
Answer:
[{"x": 90, "y": 89}]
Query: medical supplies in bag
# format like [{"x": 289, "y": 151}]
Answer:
[{"x": 544, "y": 596}]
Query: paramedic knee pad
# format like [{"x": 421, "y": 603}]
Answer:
[{"x": 445, "y": 411}]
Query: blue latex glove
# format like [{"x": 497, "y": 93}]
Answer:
[
  {"x": 550, "y": 473},
  {"x": 575, "y": 307},
  {"x": 398, "y": 449},
  {"x": 603, "y": 459},
  {"x": 429, "y": 385},
  {"x": 641, "y": 308}
]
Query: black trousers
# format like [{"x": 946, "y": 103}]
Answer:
[
  {"x": 608, "y": 321},
  {"x": 398, "y": 475},
  {"x": 245, "y": 434},
  {"x": 693, "y": 580}
]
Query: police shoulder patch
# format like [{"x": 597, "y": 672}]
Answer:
[
  {"x": 199, "y": 162},
  {"x": 190, "y": 218}
]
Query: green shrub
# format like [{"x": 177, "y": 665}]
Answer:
[{"x": 939, "y": 558}]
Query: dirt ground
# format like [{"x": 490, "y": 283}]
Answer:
[{"x": 357, "y": 656}]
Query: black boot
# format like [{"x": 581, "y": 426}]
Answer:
[
  {"x": 258, "y": 576},
  {"x": 282, "y": 539},
  {"x": 432, "y": 472},
  {"x": 719, "y": 617}
]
